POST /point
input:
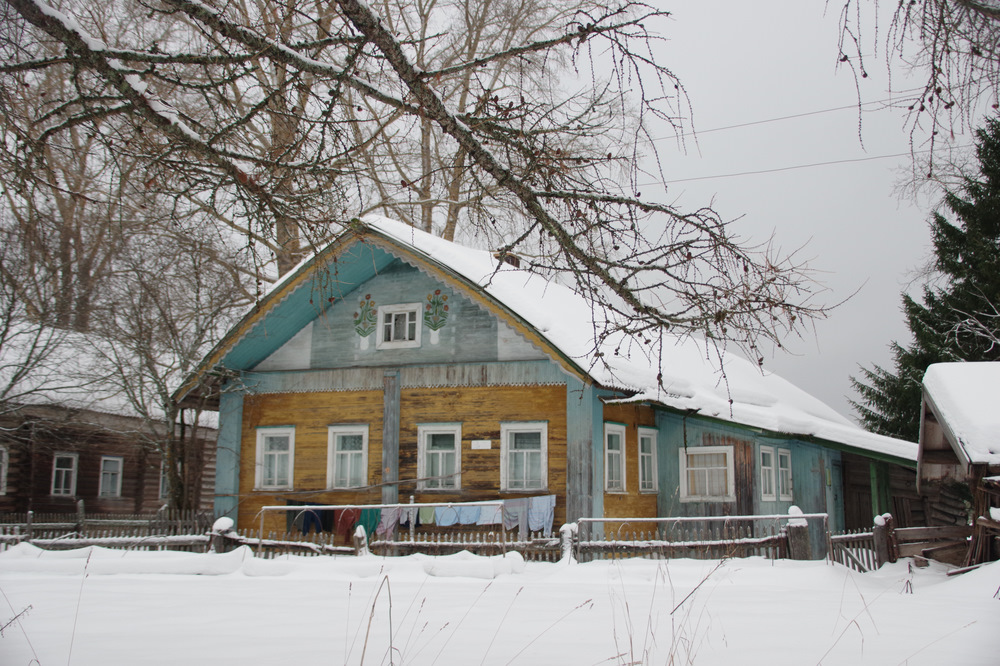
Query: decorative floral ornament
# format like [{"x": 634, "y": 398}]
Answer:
[
  {"x": 436, "y": 310},
  {"x": 366, "y": 318}
]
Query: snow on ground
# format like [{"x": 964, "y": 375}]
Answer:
[{"x": 96, "y": 607}]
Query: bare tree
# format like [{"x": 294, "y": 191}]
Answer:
[
  {"x": 172, "y": 300},
  {"x": 322, "y": 84},
  {"x": 953, "y": 44}
]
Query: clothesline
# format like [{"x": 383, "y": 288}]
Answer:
[{"x": 526, "y": 513}]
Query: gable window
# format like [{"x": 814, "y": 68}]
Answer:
[
  {"x": 399, "y": 326},
  {"x": 439, "y": 456},
  {"x": 524, "y": 455},
  {"x": 707, "y": 474},
  {"x": 111, "y": 477},
  {"x": 614, "y": 458},
  {"x": 275, "y": 458},
  {"x": 647, "y": 460},
  {"x": 4, "y": 464},
  {"x": 767, "y": 474},
  {"x": 64, "y": 474},
  {"x": 347, "y": 456},
  {"x": 784, "y": 475}
]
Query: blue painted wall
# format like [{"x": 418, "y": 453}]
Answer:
[
  {"x": 227, "y": 462},
  {"x": 469, "y": 334}
]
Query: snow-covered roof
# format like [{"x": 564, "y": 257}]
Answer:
[
  {"x": 71, "y": 370},
  {"x": 966, "y": 397},
  {"x": 691, "y": 375}
]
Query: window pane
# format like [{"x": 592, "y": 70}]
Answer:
[
  {"x": 645, "y": 444},
  {"x": 614, "y": 442},
  {"x": 276, "y": 443},
  {"x": 350, "y": 442},
  {"x": 527, "y": 440},
  {"x": 441, "y": 441}
]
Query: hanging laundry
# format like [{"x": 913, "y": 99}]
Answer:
[
  {"x": 541, "y": 512},
  {"x": 408, "y": 515},
  {"x": 388, "y": 521},
  {"x": 491, "y": 515},
  {"x": 515, "y": 514},
  {"x": 468, "y": 515},
  {"x": 346, "y": 519},
  {"x": 370, "y": 519},
  {"x": 426, "y": 515},
  {"x": 446, "y": 516}
]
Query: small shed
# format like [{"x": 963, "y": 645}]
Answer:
[{"x": 960, "y": 441}]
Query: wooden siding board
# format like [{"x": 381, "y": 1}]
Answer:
[
  {"x": 390, "y": 437},
  {"x": 479, "y": 409},
  {"x": 228, "y": 452},
  {"x": 580, "y": 415}
]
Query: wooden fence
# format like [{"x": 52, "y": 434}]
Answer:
[
  {"x": 773, "y": 537},
  {"x": 174, "y": 530},
  {"x": 709, "y": 537},
  {"x": 866, "y": 550}
]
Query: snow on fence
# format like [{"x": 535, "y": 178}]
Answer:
[
  {"x": 854, "y": 549},
  {"x": 174, "y": 530},
  {"x": 774, "y": 536}
]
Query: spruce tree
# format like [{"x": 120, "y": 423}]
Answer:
[{"x": 957, "y": 318}]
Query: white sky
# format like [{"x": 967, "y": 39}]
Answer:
[{"x": 744, "y": 62}]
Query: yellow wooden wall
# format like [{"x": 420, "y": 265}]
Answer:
[
  {"x": 630, "y": 503},
  {"x": 480, "y": 410}
]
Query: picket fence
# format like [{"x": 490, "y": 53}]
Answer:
[{"x": 711, "y": 538}]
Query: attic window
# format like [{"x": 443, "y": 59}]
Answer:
[{"x": 398, "y": 326}]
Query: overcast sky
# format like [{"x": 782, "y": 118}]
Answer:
[{"x": 745, "y": 62}]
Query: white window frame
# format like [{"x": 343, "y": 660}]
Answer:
[
  {"x": 411, "y": 309},
  {"x": 163, "y": 479},
  {"x": 71, "y": 491},
  {"x": 730, "y": 495},
  {"x": 786, "y": 488},
  {"x": 507, "y": 430},
  {"x": 116, "y": 478},
  {"x": 279, "y": 431},
  {"x": 614, "y": 485},
  {"x": 648, "y": 485},
  {"x": 424, "y": 431},
  {"x": 333, "y": 455},
  {"x": 768, "y": 489}
]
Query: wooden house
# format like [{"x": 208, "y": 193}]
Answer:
[
  {"x": 393, "y": 364},
  {"x": 67, "y": 434},
  {"x": 959, "y": 450}
]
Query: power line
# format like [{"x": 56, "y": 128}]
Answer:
[
  {"x": 789, "y": 168},
  {"x": 789, "y": 117}
]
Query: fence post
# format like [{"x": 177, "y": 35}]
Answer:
[
  {"x": 566, "y": 536},
  {"x": 360, "y": 541},
  {"x": 884, "y": 550},
  {"x": 28, "y": 525},
  {"x": 222, "y": 534},
  {"x": 799, "y": 547},
  {"x": 81, "y": 518}
]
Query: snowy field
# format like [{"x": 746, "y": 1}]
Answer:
[{"x": 96, "y": 607}]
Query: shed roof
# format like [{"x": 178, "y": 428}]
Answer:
[{"x": 966, "y": 399}]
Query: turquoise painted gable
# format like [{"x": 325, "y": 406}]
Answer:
[{"x": 452, "y": 328}]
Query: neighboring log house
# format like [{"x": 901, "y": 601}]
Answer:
[
  {"x": 395, "y": 364},
  {"x": 70, "y": 435}
]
